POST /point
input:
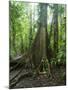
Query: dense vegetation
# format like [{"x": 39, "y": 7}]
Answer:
[{"x": 37, "y": 40}]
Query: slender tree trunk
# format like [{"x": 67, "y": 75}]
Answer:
[
  {"x": 22, "y": 48},
  {"x": 30, "y": 31},
  {"x": 14, "y": 37},
  {"x": 55, "y": 29}
]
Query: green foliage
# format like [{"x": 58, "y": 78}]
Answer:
[
  {"x": 20, "y": 17},
  {"x": 24, "y": 20},
  {"x": 61, "y": 56}
]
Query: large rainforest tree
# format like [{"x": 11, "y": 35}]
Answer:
[{"x": 37, "y": 40}]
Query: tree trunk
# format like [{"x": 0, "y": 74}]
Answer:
[
  {"x": 55, "y": 29},
  {"x": 39, "y": 51},
  {"x": 30, "y": 31}
]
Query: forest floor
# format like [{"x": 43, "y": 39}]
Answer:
[{"x": 37, "y": 81}]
